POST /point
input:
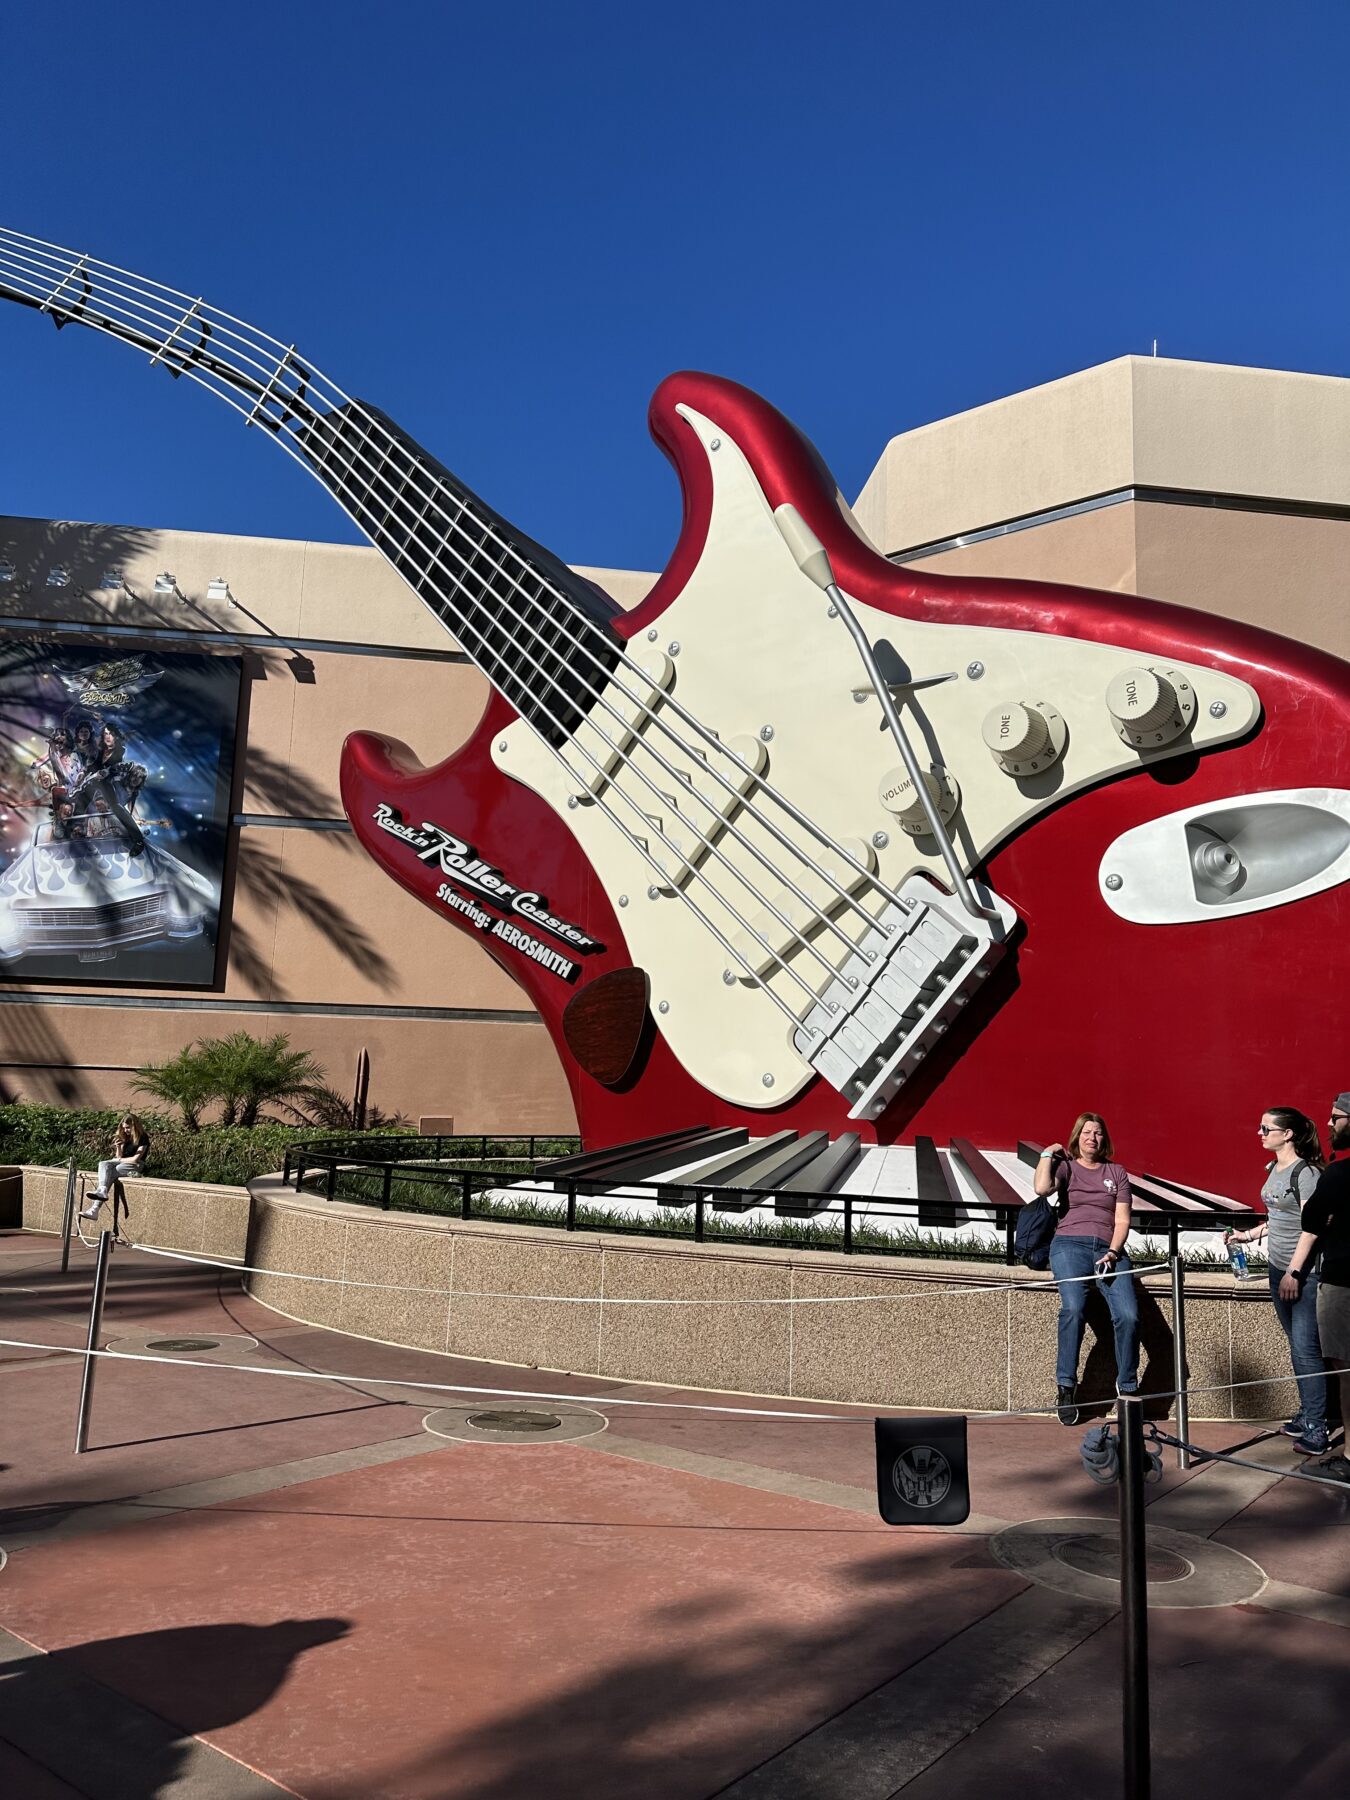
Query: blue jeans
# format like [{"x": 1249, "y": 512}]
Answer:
[
  {"x": 1299, "y": 1319},
  {"x": 1074, "y": 1256}
]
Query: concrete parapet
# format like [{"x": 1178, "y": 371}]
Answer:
[
  {"x": 170, "y": 1215},
  {"x": 918, "y": 1333}
]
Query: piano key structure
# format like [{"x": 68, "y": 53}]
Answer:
[{"x": 956, "y": 1191}]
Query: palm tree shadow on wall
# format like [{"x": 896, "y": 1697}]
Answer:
[{"x": 272, "y": 888}]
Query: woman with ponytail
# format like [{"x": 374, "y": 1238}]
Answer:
[{"x": 1291, "y": 1138}]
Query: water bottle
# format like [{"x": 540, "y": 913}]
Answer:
[{"x": 1237, "y": 1257}]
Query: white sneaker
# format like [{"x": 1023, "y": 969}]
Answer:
[{"x": 92, "y": 1212}]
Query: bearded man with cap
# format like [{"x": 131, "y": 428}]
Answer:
[{"x": 1326, "y": 1233}]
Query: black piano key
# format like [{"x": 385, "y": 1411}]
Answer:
[
  {"x": 939, "y": 1198},
  {"x": 642, "y": 1171},
  {"x": 810, "y": 1189},
  {"x": 722, "y": 1169}
]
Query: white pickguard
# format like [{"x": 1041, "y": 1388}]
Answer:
[{"x": 756, "y": 657}]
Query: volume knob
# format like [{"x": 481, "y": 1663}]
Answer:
[
  {"x": 1150, "y": 706},
  {"x": 900, "y": 798},
  {"x": 1023, "y": 738}
]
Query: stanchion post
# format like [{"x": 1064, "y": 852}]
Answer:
[
  {"x": 1134, "y": 1598},
  {"x": 68, "y": 1215},
  {"x": 1179, "y": 1350},
  {"x": 571, "y": 1206},
  {"x": 95, "y": 1330}
]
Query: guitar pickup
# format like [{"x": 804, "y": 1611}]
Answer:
[
  {"x": 702, "y": 805},
  {"x": 605, "y": 737},
  {"x": 821, "y": 886}
]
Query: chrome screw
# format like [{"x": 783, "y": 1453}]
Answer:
[
  {"x": 832, "y": 612},
  {"x": 729, "y": 976},
  {"x": 623, "y": 899},
  {"x": 880, "y": 839},
  {"x": 653, "y": 892},
  {"x": 975, "y": 670},
  {"x": 767, "y": 1080},
  {"x": 716, "y": 444},
  {"x": 674, "y": 647},
  {"x": 663, "y": 1006},
  {"x": 572, "y": 802},
  {"x": 766, "y": 733},
  {"x": 1115, "y": 883},
  {"x": 501, "y": 743},
  {"x": 1217, "y": 708},
  {"x": 860, "y": 695},
  {"x": 652, "y": 635}
]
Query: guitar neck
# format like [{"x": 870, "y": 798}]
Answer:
[{"x": 538, "y": 632}]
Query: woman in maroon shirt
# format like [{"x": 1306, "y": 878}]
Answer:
[{"x": 1095, "y": 1202}]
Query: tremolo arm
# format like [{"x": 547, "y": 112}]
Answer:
[{"x": 916, "y": 968}]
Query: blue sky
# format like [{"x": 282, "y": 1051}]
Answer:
[{"x": 504, "y": 226}]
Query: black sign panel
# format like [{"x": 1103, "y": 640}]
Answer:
[{"x": 922, "y": 1476}]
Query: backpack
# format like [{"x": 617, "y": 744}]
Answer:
[
  {"x": 1037, "y": 1223},
  {"x": 1291, "y": 1192}
]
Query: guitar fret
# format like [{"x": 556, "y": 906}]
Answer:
[
  {"x": 266, "y": 394},
  {"x": 79, "y": 273},
  {"x": 182, "y": 325}
]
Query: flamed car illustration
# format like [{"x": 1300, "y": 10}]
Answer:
[{"x": 92, "y": 896}]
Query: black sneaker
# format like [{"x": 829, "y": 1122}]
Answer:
[
  {"x": 1066, "y": 1411},
  {"x": 1336, "y": 1468},
  {"x": 1293, "y": 1427}
]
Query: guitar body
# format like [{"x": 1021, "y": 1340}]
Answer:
[
  {"x": 808, "y": 840},
  {"x": 1180, "y": 1029}
]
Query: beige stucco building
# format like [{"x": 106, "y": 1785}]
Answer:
[{"x": 1224, "y": 488}]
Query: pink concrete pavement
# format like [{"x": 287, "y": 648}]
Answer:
[{"x": 678, "y": 1607}]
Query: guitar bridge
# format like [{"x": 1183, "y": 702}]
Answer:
[{"x": 876, "y": 1021}]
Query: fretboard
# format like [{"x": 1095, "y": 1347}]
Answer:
[{"x": 537, "y": 630}]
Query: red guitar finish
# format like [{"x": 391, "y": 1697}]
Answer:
[{"x": 1181, "y": 1034}]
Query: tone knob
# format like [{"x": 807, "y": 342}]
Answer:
[
  {"x": 1150, "y": 706},
  {"x": 1024, "y": 737},
  {"x": 900, "y": 798}
]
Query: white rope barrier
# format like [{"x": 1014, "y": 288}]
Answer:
[
  {"x": 866, "y": 1412},
  {"x": 937, "y": 1291},
  {"x": 455, "y": 1387}
]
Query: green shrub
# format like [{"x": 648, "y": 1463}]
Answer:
[{"x": 227, "y": 1154}]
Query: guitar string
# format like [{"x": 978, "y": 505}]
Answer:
[
  {"x": 774, "y": 957},
  {"x": 736, "y": 955},
  {"x": 455, "y": 526},
  {"x": 272, "y": 371},
  {"x": 636, "y": 841},
  {"x": 274, "y": 388},
  {"x": 647, "y": 821}
]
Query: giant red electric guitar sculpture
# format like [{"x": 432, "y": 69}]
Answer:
[{"x": 810, "y": 840}]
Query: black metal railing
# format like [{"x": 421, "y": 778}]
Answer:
[{"x": 446, "y": 1175}]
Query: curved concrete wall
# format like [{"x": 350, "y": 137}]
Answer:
[
  {"x": 170, "y": 1215},
  {"x": 549, "y": 1299},
  {"x": 557, "y": 1300}
]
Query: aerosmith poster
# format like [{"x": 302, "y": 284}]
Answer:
[{"x": 114, "y": 810}]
